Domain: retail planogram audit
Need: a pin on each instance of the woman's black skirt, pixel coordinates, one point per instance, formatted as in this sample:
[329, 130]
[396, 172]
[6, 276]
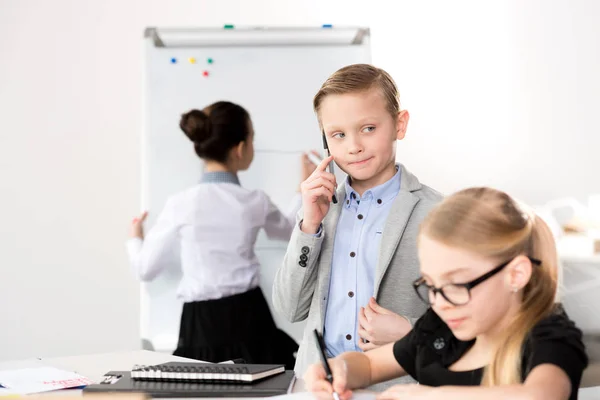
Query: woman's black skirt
[239, 326]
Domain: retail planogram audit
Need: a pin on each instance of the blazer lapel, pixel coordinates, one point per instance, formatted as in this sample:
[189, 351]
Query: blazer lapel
[396, 223]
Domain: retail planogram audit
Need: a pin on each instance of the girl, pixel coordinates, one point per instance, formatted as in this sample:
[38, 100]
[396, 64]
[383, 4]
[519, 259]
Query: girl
[210, 230]
[489, 273]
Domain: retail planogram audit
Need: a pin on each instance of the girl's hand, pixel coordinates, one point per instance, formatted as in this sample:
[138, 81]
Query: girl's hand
[315, 381]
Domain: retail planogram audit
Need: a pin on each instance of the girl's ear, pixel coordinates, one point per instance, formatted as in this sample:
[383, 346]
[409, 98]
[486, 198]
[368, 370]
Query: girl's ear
[519, 273]
[401, 124]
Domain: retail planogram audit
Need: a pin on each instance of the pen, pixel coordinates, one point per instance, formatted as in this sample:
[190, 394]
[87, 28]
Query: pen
[328, 374]
[331, 170]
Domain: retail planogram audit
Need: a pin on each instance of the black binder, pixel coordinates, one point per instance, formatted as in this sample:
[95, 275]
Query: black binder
[196, 384]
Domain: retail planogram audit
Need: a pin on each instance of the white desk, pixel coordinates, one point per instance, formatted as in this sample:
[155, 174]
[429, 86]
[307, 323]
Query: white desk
[94, 366]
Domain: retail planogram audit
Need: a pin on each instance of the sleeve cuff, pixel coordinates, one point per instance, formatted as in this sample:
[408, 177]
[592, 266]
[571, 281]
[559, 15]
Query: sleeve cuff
[134, 246]
[317, 235]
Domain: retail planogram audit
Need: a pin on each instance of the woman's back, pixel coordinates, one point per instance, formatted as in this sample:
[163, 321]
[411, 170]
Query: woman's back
[218, 224]
[209, 231]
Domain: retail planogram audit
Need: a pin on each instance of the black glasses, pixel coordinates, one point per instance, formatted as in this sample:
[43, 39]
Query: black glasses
[457, 294]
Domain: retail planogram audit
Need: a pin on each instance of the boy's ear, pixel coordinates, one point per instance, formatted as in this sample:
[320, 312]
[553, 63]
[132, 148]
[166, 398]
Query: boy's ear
[401, 124]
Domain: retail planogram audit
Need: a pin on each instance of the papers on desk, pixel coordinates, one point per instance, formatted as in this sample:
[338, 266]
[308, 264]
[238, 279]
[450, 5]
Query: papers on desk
[37, 380]
[7, 392]
[356, 395]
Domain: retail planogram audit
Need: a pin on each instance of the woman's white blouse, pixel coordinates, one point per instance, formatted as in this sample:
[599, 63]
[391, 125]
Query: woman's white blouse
[210, 231]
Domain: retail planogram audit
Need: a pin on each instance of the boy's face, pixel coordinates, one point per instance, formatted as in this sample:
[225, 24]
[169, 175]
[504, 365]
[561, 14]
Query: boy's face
[492, 302]
[361, 133]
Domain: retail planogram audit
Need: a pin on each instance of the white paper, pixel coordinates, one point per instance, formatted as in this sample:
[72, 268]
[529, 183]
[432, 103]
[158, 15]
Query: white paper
[41, 379]
[356, 395]
[7, 392]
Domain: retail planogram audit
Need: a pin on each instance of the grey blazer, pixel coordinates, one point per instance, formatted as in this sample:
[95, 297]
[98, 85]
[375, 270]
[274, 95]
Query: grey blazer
[301, 284]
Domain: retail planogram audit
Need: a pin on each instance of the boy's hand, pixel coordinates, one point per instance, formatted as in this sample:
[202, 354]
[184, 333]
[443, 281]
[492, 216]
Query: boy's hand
[379, 326]
[317, 192]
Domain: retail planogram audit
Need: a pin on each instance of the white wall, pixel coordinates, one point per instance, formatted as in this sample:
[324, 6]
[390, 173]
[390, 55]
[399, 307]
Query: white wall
[501, 93]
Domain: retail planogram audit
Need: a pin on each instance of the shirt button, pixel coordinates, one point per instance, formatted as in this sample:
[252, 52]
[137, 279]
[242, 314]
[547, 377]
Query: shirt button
[350, 294]
[352, 254]
[353, 195]
[360, 216]
[348, 337]
[347, 201]
[379, 201]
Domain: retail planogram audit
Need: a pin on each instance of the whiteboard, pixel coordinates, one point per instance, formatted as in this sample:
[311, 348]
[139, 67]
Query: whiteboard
[273, 73]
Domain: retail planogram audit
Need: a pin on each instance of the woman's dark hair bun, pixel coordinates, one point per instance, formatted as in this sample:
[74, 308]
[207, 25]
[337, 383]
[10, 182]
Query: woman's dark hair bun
[196, 126]
[216, 129]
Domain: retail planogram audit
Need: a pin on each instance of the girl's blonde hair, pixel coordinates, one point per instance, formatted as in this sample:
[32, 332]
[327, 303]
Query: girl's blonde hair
[357, 78]
[490, 223]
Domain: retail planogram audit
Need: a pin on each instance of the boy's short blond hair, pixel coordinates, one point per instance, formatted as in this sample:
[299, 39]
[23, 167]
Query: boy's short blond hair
[357, 78]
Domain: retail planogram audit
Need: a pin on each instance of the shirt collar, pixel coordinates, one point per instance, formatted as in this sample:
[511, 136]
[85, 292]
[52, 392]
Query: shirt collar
[381, 194]
[220, 177]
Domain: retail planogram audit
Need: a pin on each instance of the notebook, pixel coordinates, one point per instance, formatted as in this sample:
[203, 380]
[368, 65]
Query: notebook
[196, 372]
[122, 382]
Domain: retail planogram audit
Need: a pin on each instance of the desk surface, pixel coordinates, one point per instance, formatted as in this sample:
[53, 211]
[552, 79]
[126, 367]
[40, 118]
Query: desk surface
[94, 366]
